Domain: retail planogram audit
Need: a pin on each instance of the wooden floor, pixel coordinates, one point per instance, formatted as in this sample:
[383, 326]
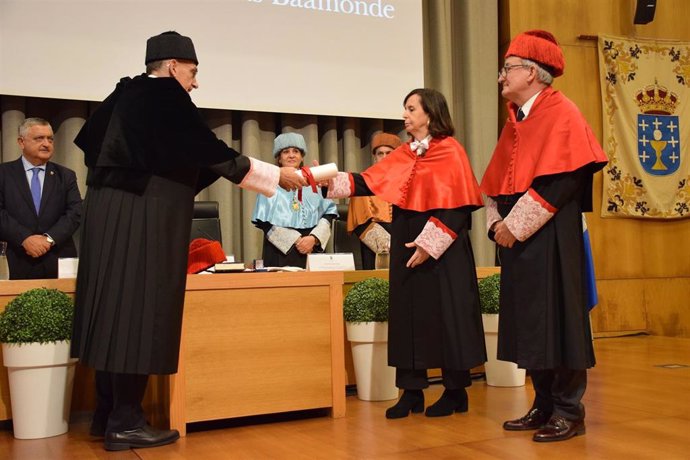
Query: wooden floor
[635, 410]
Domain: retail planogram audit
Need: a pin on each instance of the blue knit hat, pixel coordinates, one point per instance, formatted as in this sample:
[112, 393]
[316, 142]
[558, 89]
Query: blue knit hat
[286, 140]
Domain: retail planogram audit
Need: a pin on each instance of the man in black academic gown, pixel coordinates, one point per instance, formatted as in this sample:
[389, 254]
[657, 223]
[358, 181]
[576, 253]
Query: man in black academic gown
[148, 153]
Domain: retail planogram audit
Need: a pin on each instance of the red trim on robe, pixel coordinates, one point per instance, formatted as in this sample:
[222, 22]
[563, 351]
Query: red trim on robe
[539, 199]
[527, 217]
[443, 227]
[440, 179]
[434, 238]
[554, 138]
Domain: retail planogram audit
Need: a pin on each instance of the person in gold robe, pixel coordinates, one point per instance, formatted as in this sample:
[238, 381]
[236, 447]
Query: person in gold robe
[369, 217]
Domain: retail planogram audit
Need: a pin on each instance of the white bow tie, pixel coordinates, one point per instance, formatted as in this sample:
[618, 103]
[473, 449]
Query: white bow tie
[420, 146]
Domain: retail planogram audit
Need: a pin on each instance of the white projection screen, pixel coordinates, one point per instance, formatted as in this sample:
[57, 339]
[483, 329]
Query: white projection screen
[328, 57]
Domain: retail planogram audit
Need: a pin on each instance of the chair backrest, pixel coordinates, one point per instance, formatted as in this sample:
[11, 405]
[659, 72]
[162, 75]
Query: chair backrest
[206, 221]
[342, 241]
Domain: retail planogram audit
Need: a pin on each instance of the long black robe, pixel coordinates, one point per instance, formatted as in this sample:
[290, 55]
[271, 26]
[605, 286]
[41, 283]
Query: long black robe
[434, 316]
[148, 152]
[544, 321]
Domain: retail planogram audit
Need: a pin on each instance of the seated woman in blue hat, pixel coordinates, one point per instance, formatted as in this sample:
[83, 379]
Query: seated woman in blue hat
[294, 223]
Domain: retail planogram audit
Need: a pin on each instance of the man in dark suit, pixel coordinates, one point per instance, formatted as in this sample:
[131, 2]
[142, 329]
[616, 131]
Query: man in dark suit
[40, 205]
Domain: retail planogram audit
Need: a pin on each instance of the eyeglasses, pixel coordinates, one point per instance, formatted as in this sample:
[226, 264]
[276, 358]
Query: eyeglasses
[507, 68]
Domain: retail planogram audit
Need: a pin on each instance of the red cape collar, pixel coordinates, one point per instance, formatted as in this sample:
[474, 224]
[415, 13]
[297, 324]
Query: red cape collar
[440, 179]
[554, 138]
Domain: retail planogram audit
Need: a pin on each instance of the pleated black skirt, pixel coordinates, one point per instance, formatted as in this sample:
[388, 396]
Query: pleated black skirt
[131, 279]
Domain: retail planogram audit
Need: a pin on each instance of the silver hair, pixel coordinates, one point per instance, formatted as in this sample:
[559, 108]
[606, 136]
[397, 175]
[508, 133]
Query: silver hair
[543, 75]
[155, 65]
[29, 122]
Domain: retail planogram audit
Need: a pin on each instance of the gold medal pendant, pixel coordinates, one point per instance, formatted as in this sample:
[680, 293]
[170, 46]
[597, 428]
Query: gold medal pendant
[295, 203]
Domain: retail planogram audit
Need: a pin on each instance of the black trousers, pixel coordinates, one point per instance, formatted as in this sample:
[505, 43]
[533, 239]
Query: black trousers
[119, 401]
[559, 391]
[416, 379]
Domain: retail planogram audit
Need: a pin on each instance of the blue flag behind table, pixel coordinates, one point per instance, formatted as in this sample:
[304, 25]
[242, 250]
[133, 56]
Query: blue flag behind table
[590, 279]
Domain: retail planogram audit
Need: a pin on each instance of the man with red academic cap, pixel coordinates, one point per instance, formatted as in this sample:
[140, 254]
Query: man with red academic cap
[537, 184]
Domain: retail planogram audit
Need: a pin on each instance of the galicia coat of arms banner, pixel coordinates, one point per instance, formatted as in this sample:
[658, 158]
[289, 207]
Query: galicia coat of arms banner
[645, 89]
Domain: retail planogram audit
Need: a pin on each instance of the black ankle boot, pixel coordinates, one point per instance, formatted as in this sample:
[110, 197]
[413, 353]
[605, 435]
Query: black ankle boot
[449, 402]
[411, 400]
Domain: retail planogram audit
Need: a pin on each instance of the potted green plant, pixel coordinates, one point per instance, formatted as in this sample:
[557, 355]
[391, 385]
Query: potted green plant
[35, 331]
[498, 373]
[365, 310]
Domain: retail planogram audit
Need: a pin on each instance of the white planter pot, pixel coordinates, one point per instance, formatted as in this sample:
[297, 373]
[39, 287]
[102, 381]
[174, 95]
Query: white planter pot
[375, 378]
[41, 378]
[498, 373]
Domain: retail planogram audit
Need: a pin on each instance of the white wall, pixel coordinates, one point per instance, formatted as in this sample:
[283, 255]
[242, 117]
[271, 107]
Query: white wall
[290, 56]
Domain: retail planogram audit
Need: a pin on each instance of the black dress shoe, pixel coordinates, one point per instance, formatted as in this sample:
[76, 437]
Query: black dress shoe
[146, 436]
[410, 401]
[535, 419]
[449, 402]
[559, 429]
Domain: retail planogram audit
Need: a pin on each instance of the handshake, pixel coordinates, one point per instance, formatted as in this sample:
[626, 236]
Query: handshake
[293, 179]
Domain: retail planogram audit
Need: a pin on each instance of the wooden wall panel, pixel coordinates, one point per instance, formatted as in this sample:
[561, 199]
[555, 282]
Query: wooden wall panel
[569, 18]
[667, 306]
[642, 266]
[621, 307]
[659, 306]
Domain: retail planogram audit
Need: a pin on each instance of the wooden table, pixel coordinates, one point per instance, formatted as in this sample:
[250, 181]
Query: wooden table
[252, 343]
[259, 343]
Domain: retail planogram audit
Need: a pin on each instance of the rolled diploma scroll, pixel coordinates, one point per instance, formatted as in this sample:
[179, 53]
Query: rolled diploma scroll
[322, 173]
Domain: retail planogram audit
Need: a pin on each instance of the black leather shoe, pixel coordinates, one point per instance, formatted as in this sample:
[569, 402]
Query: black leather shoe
[146, 436]
[410, 401]
[535, 419]
[449, 402]
[559, 429]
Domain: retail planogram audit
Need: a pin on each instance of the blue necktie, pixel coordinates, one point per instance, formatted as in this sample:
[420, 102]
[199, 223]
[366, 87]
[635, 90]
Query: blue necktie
[36, 189]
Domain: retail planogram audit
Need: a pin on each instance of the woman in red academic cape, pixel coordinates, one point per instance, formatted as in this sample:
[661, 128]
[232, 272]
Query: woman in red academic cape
[434, 319]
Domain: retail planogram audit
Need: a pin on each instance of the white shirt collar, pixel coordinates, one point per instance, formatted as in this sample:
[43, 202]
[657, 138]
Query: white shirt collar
[28, 166]
[527, 106]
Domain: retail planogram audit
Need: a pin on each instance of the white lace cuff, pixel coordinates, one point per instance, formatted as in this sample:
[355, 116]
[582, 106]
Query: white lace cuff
[492, 215]
[529, 214]
[341, 186]
[322, 231]
[262, 177]
[435, 238]
[376, 238]
[283, 238]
